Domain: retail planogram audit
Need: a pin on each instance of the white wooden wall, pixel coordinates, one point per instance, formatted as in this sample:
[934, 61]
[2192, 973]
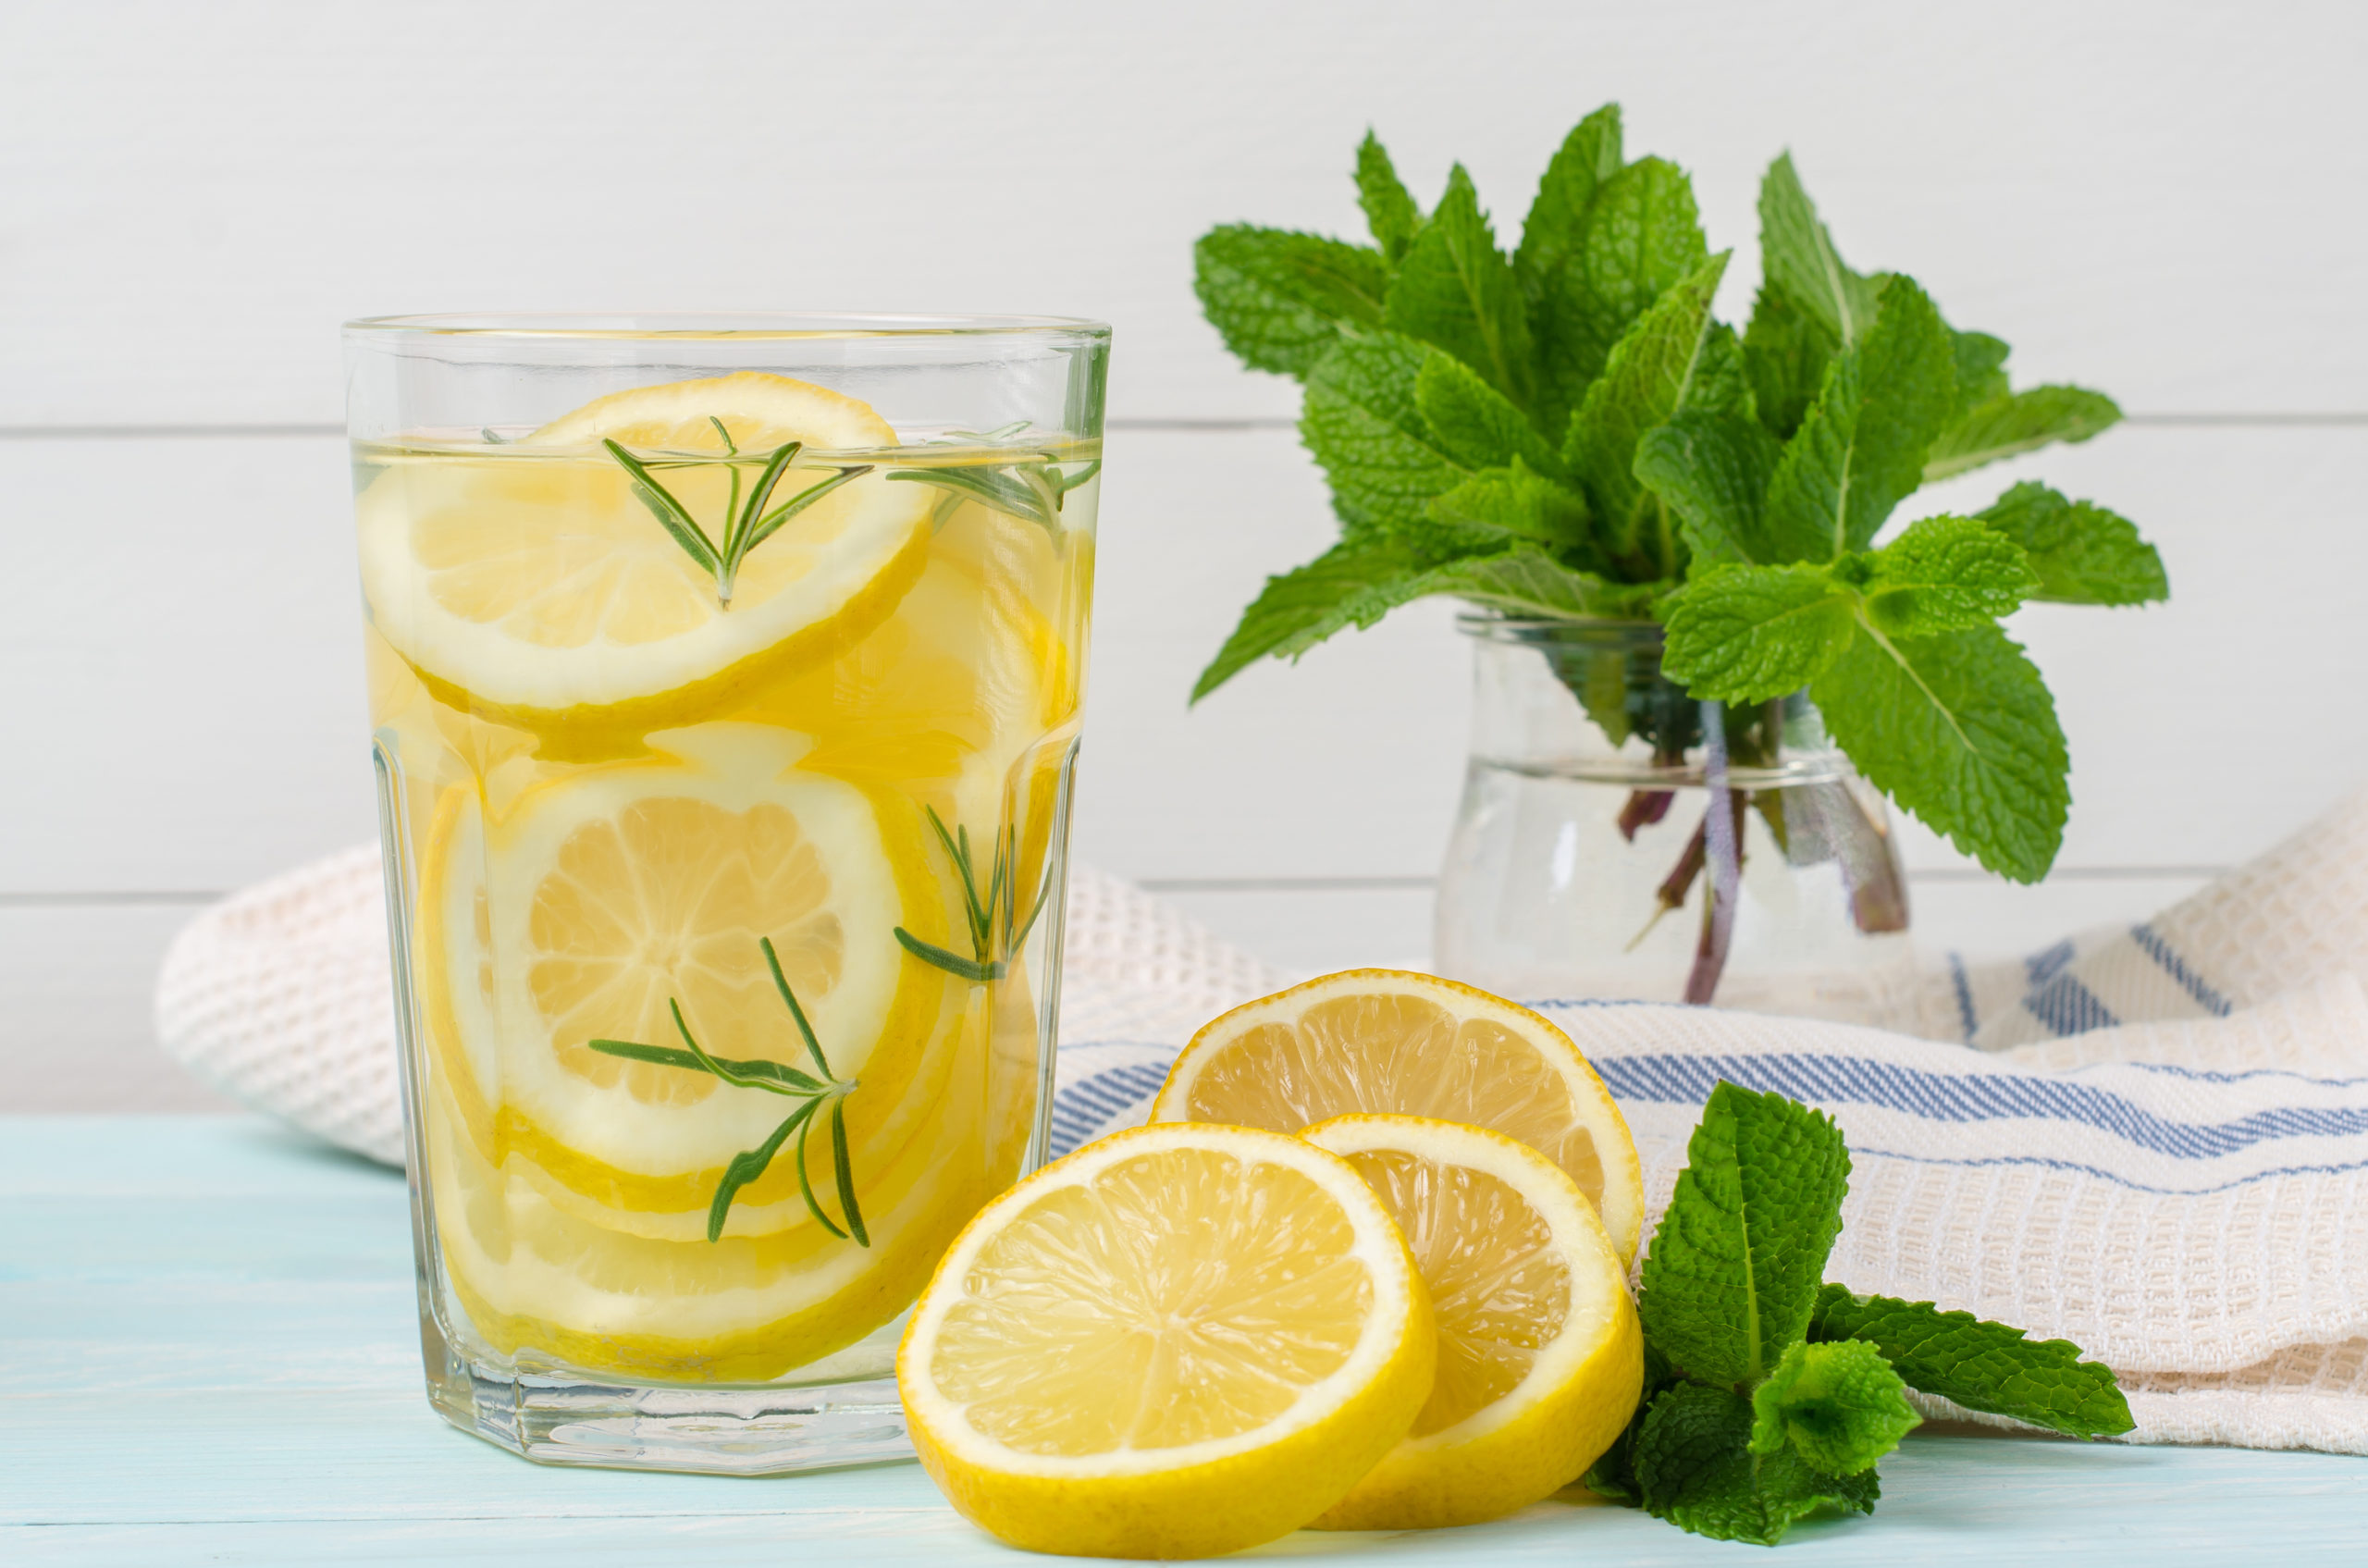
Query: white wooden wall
[2164, 201]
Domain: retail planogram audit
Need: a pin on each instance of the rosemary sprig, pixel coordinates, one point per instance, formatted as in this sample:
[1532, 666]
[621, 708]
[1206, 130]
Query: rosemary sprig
[1033, 490]
[775, 1077]
[995, 929]
[746, 522]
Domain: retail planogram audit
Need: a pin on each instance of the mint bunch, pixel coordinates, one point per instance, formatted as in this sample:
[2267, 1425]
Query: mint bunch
[1768, 1395]
[1565, 430]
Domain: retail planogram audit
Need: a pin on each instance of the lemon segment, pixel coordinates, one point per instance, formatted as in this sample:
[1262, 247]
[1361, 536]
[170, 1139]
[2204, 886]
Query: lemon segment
[1176, 1343]
[529, 584]
[603, 897]
[1541, 1355]
[1390, 1041]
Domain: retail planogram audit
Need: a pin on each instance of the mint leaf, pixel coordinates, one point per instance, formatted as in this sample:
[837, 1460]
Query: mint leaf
[1734, 1267]
[1349, 585]
[1643, 238]
[1747, 634]
[1981, 368]
[1558, 215]
[1785, 353]
[1720, 385]
[2009, 423]
[1472, 422]
[1960, 730]
[1861, 451]
[1281, 299]
[1840, 1406]
[1797, 258]
[1525, 583]
[1643, 384]
[1456, 290]
[2082, 553]
[1694, 1466]
[1712, 471]
[1390, 212]
[1518, 502]
[1943, 575]
[1981, 1365]
[1363, 422]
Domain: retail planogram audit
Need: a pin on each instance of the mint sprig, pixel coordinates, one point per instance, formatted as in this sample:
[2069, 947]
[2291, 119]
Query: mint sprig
[1769, 1397]
[1565, 430]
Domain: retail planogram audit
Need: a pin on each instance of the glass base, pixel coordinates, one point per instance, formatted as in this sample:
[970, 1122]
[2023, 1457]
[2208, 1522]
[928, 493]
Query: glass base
[555, 1418]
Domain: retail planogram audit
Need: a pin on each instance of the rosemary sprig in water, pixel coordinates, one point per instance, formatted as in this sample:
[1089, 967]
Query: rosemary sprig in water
[996, 930]
[774, 1078]
[747, 524]
[1035, 491]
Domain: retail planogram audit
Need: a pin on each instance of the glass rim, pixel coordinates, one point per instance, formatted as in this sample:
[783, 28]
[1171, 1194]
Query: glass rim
[716, 325]
[1489, 626]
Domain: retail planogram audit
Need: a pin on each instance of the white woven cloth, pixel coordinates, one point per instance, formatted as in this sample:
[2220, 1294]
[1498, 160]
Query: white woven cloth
[2169, 1167]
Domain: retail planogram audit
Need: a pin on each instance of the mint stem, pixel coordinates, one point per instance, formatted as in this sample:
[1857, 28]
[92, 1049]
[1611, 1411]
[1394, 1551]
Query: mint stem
[1722, 824]
[1877, 897]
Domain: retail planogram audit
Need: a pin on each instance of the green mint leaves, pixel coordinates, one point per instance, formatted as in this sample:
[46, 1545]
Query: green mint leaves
[1735, 1269]
[1769, 1397]
[1563, 428]
[1281, 298]
[1840, 1406]
[1984, 1367]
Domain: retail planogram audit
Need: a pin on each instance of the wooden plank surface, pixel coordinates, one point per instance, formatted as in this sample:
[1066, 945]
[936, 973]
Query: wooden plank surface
[198, 194]
[226, 1313]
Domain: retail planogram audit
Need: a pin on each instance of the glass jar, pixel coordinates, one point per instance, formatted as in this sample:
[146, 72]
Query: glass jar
[1618, 839]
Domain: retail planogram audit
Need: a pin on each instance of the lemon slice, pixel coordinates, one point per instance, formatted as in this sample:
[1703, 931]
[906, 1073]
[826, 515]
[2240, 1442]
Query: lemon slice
[535, 1278]
[1541, 1356]
[1176, 1343]
[1390, 1041]
[607, 894]
[530, 584]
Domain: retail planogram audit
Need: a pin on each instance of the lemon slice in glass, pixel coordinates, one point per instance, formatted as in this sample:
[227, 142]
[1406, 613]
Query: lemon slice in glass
[1541, 1356]
[530, 582]
[1176, 1343]
[1392, 1041]
[604, 896]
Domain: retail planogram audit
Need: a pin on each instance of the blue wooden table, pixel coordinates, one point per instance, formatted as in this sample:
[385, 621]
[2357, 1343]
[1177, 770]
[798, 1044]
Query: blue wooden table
[207, 1354]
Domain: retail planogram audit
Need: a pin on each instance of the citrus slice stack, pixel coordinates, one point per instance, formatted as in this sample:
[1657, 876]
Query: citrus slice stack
[1393, 1041]
[530, 583]
[1541, 1356]
[1176, 1343]
[578, 1182]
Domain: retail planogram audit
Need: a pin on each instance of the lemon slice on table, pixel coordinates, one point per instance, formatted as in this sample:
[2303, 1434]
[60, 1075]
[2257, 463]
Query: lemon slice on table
[1392, 1041]
[604, 896]
[531, 584]
[1541, 1356]
[1176, 1343]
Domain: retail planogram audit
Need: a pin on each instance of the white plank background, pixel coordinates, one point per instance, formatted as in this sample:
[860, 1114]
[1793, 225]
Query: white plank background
[2166, 206]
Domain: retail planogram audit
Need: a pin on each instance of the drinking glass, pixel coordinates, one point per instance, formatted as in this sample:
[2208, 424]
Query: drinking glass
[725, 677]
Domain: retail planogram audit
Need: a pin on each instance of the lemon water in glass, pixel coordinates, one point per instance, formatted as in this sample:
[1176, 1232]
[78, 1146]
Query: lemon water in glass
[725, 680]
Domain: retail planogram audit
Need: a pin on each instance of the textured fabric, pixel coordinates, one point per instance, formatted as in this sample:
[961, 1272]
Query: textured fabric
[2287, 919]
[2169, 1167]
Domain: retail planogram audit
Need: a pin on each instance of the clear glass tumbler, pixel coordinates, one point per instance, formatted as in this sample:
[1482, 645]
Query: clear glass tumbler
[725, 677]
[1618, 839]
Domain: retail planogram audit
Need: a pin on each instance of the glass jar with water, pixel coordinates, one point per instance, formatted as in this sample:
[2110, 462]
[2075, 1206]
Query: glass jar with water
[1618, 839]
